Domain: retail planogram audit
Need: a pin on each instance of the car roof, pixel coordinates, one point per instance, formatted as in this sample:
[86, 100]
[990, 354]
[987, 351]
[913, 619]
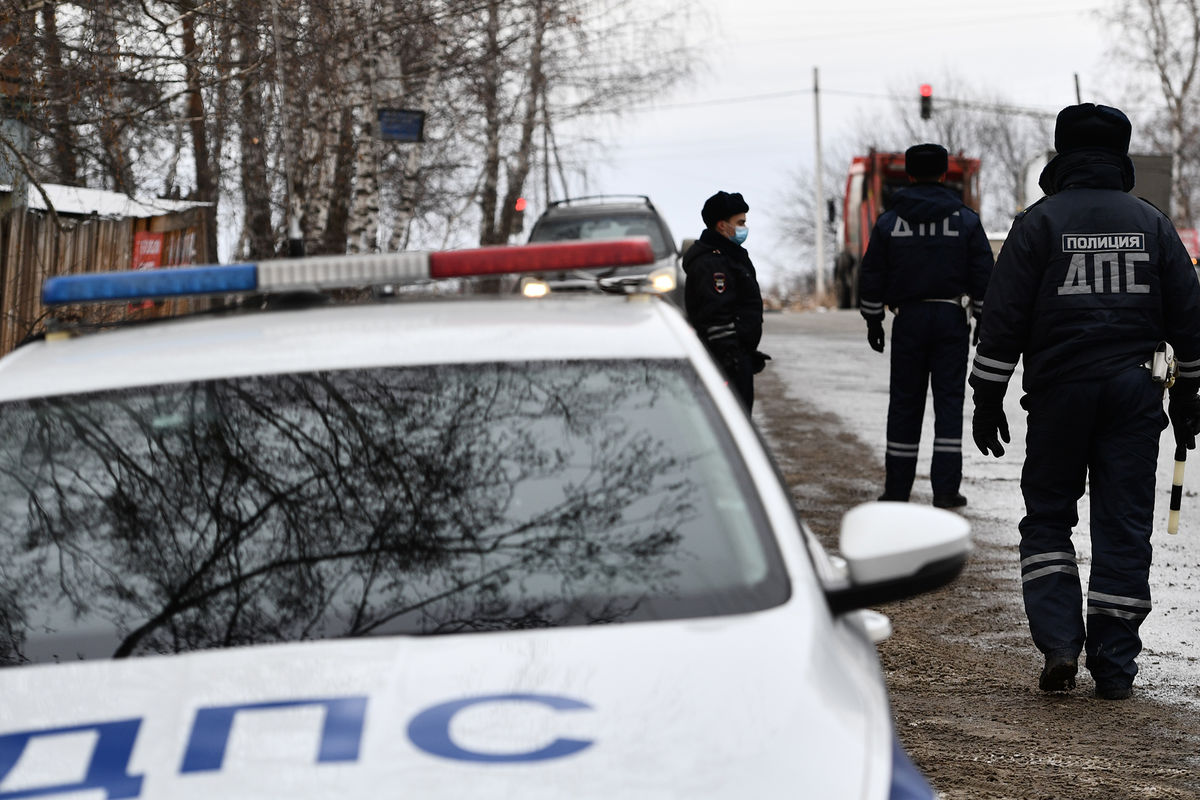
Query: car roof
[590, 206]
[341, 337]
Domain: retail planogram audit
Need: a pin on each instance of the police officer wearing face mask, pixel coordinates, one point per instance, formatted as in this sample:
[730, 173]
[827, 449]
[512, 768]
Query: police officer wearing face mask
[928, 260]
[1090, 281]
[721, 295]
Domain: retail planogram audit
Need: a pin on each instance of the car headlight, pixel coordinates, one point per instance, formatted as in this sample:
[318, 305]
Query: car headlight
[534, 287]
[662, 280]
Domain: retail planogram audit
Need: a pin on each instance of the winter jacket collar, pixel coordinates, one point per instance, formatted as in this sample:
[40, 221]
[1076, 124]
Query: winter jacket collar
[1091, 168]
[925, 202]
[726, 246]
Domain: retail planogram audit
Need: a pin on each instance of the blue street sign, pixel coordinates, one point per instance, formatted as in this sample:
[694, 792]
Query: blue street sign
[401, 125]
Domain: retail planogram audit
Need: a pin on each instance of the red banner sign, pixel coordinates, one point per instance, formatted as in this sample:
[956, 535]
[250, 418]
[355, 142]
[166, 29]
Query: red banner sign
[147, 250]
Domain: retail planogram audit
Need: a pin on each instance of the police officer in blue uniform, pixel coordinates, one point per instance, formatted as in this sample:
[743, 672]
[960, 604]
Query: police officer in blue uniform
[928, 260]
[1090, 281]
[721, 294]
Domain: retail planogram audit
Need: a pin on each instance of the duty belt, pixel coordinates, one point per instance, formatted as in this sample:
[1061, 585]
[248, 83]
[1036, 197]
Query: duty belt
[962, 301]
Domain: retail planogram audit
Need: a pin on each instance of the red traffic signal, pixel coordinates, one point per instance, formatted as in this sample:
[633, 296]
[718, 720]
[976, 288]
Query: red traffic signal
[926, 101]
[518, 219]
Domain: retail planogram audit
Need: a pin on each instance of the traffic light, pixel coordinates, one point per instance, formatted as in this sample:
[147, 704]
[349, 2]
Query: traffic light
[926, 101]
[518, 223]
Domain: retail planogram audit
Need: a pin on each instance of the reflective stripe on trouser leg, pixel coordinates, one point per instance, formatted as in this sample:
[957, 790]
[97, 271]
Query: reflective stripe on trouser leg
[1122, 477]
[949, 344]
[907, 387]
[1052, 481]
[900, 461]
[1050, 586]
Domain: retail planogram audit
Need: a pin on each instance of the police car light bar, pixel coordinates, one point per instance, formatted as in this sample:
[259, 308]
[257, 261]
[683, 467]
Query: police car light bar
[333, 272]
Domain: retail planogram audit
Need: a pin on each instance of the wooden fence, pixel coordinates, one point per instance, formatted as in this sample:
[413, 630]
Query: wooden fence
[33, 247]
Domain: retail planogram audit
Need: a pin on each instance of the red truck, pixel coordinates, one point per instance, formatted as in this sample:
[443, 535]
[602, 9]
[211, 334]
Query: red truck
[872, 181]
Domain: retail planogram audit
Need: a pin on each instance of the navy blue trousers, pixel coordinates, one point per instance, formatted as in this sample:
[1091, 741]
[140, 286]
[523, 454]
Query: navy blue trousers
[929, 347]
[1105, 432]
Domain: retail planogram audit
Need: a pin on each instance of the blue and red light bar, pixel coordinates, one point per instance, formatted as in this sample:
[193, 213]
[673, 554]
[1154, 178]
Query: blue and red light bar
[333, 272]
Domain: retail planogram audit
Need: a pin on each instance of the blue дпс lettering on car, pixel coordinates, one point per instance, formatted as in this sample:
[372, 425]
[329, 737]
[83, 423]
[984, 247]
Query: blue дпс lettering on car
[341, 736]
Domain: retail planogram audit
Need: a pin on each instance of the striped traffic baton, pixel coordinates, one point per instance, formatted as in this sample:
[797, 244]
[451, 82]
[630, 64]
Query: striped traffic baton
[1176, 490]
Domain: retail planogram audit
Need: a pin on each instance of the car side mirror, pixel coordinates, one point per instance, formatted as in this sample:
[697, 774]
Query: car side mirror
[897, 550]
[686, 245]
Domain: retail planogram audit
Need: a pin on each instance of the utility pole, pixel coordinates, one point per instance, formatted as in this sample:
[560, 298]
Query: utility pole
[1078, 97]
[818, 190]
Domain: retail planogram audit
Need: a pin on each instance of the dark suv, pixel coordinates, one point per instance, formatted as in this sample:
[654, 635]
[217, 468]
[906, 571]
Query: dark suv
[607, 217]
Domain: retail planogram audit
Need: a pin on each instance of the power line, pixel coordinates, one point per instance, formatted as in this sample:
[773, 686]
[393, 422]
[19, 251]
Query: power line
[971, 105]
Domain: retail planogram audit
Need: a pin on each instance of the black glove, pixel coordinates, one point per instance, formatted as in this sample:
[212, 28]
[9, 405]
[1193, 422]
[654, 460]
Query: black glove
[760, 360]
[989, 425]
[1184, 410]
[875, 334]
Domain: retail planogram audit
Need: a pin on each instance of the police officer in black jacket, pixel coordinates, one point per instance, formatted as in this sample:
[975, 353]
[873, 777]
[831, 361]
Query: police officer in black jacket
[721, 295]
[1090, 281]
[929, 260]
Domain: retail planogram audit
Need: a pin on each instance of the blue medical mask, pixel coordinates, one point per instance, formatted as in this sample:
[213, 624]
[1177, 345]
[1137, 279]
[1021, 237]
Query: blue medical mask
[740, 233]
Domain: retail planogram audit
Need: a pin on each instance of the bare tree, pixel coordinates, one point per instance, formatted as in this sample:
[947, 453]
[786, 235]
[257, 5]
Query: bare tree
[1163, 38]
[271, 105]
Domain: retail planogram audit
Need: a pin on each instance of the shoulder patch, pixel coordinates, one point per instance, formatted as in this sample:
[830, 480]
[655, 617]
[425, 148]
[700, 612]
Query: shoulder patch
[719, 282]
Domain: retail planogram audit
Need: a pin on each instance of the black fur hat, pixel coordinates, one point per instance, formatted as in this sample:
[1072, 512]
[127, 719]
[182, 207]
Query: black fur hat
[1090, 125]
[926, 161]
[722, 205]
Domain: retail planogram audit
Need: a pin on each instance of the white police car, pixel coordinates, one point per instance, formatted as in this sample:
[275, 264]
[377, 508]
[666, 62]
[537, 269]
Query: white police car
[481, 548]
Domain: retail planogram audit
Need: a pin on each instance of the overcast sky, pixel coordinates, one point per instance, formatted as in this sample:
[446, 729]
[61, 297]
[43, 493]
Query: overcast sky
[745, 123]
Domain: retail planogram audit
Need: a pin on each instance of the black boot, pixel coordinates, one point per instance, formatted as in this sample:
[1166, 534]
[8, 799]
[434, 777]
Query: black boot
[1113, 691]
[952, 500]
[1059, 673]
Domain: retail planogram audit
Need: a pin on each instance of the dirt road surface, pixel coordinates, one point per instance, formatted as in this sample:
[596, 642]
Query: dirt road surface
[960, 666]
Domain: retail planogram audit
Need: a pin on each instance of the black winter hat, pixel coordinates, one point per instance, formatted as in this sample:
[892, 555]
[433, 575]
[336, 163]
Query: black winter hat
[1090, 125]
[722, 205]
[926, 161]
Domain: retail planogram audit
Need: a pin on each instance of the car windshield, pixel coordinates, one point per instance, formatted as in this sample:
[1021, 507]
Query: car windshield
[603, 225]
[426, 500]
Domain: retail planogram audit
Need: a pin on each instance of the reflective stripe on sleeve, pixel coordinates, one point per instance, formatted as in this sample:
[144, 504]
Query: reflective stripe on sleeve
[720, 332]
[989, 369]
[988, 376]
[999, 366]
[1188, 369]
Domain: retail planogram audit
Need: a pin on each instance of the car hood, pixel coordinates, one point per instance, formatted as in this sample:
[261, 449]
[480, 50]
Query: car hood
[747, 706]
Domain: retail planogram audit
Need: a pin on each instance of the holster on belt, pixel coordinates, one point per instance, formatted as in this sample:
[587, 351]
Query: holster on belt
[1163, 369]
